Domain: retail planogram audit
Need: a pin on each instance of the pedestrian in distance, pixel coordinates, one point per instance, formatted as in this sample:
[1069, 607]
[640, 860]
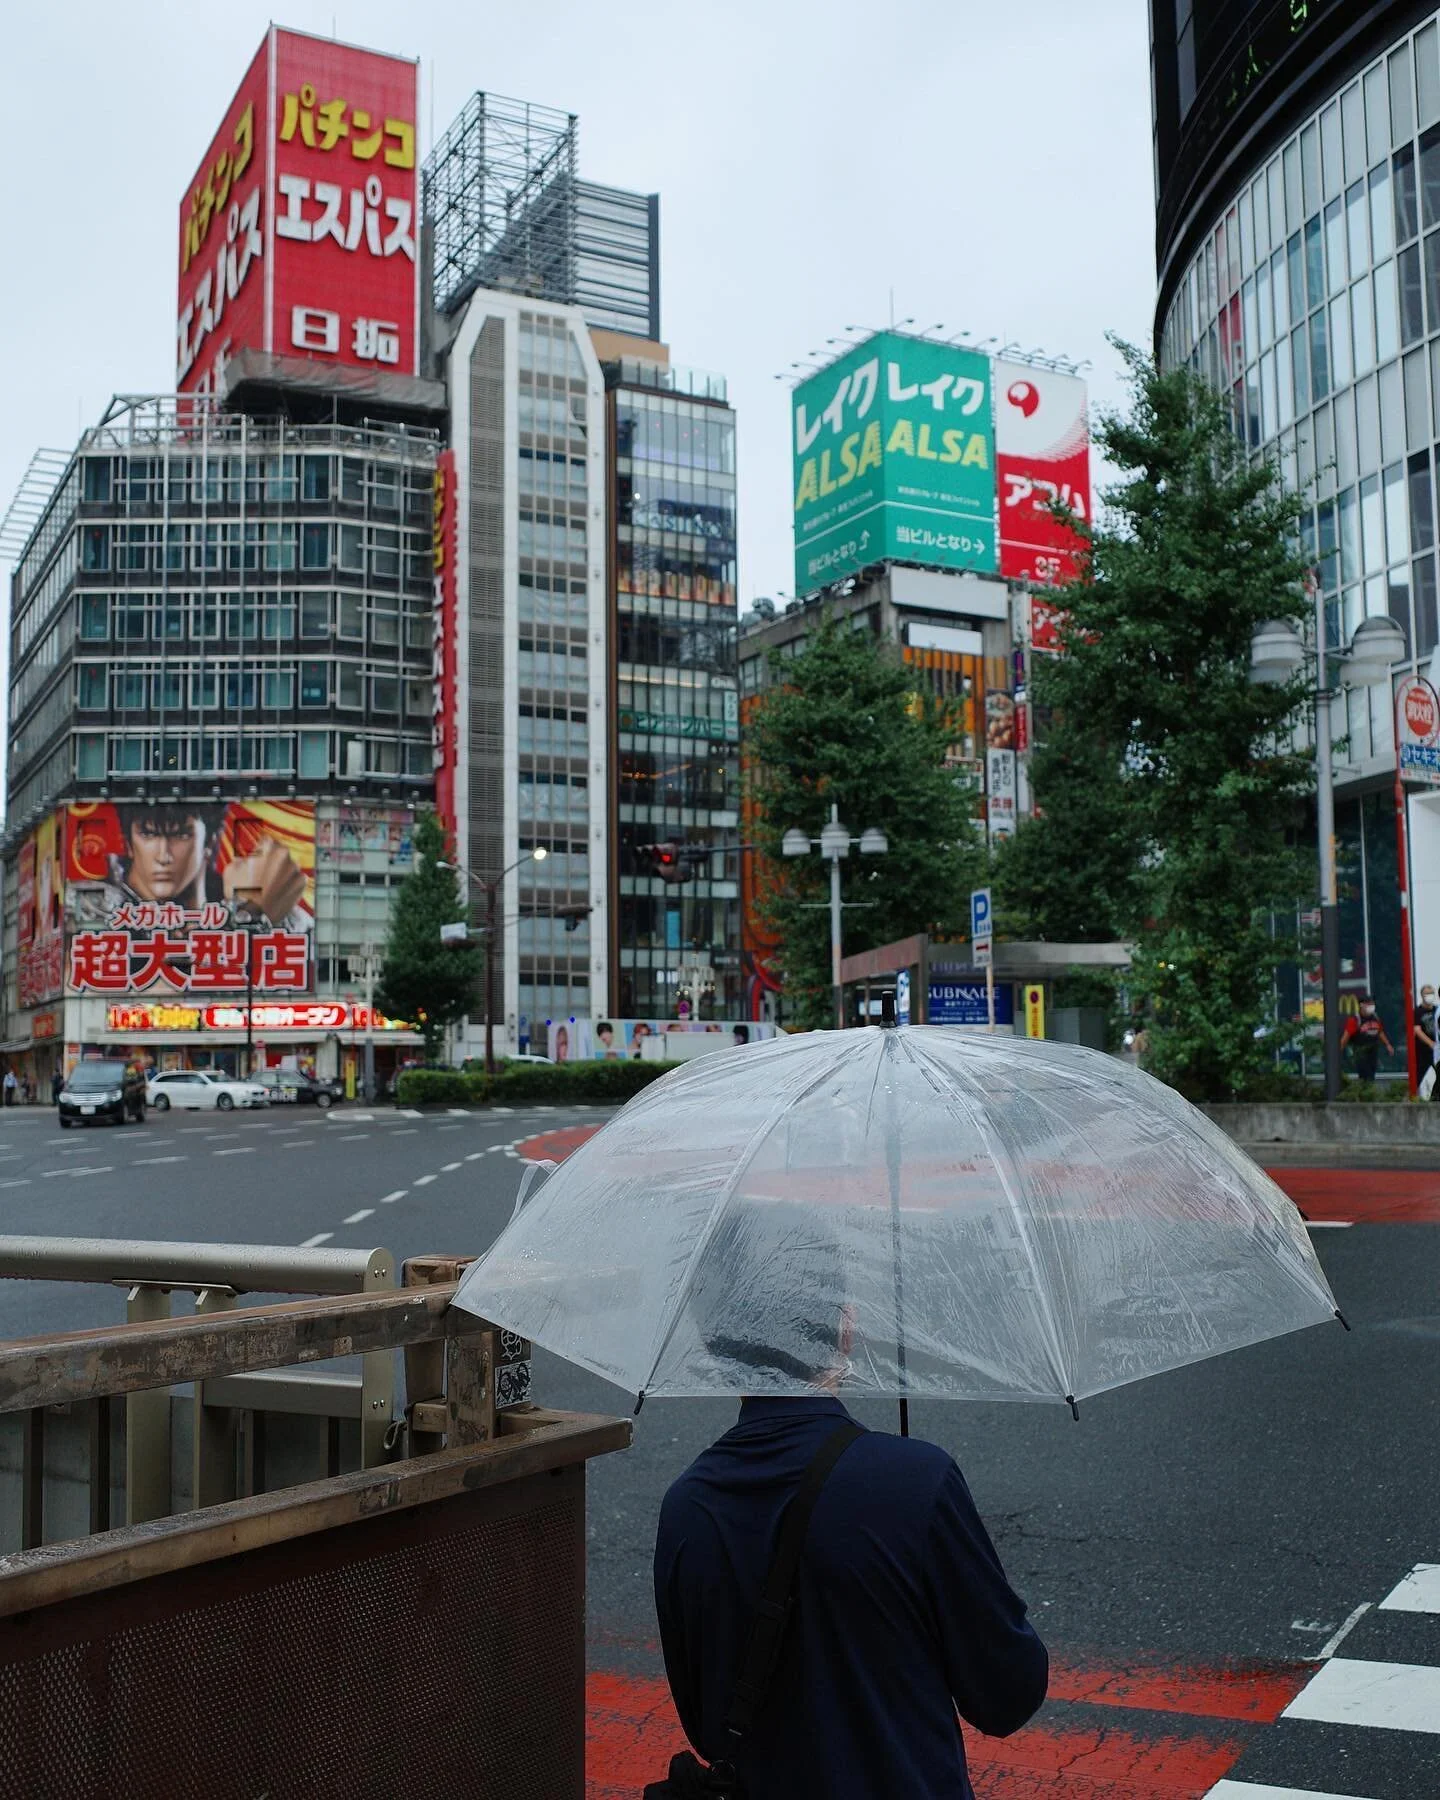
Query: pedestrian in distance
[11, 1084]
[1364, 1034]
[896, 1616]
[1425, 1040]
[57, 1082]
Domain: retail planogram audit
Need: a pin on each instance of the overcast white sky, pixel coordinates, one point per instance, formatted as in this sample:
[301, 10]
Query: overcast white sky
[987, 164]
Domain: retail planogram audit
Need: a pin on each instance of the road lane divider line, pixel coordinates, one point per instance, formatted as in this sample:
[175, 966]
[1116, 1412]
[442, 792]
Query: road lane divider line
[423, 1180]
[242, 1150]
[352, 1137]
[390, 1199]
[450, 1168]
[1331, 1645]
[141, 1161]
[359, 1218]
[304, 1144]
[314, 1243]
[23, 1181]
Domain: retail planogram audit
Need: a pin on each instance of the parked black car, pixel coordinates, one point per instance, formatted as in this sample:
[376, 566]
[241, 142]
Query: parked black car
[103, 1090]
[288, 1087]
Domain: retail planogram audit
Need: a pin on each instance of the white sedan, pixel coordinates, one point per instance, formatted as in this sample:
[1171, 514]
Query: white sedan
[197, 1090]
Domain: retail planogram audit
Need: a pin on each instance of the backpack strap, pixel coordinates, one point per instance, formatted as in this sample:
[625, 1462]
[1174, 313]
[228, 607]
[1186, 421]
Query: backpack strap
[767, 1633]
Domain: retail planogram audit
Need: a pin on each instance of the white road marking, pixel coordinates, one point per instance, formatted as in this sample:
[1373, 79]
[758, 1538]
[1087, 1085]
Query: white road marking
[24, 1181]
[423, 1180]
[450, 1168]
[356, 1218]
[447, 1128]
[1249, 1790]
[411, 1112]
[210, 1136]
[242, 1150]
[399, 1194]
[302, 1145]
[405, 1131]
[1333, 1644]
[510, 1150]
[474, 1156]
[464, 1111]
[502, 1109]
[492, 1148]
[64, 1140]
[361, 1118]
[314, 1243]
[141, 1161]
[1390, 1696]
[1418, 1592]
[350, 1137]
[544, 1109]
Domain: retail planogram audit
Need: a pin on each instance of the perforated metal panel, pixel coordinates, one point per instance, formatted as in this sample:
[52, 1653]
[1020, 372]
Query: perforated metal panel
[437, 1652]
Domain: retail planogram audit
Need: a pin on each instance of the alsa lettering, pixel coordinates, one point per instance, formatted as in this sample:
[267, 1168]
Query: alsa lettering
[862, 451]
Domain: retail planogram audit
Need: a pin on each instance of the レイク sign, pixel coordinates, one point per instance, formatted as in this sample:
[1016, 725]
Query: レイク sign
[894, 456]
[298, 235]
[1417, 730]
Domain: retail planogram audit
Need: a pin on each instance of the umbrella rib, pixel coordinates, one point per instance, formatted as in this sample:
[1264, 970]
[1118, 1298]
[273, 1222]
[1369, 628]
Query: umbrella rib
[1005, 1171]
[726, 1195]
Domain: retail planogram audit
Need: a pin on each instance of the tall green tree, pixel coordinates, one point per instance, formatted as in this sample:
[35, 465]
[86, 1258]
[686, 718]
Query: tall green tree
[432, 984]
[1170, 786]
[844, 724]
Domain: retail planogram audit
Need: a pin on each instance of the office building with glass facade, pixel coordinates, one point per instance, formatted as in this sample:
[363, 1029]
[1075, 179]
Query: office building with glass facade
[220, 628]
[527, 419]
[676, 742]
[1299, 250]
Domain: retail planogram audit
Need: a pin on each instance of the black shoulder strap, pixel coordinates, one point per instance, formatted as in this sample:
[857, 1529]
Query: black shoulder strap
[762, 1652]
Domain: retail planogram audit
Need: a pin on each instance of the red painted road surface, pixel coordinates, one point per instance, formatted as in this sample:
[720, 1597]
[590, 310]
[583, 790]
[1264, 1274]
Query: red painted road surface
[1328, 1196]
[1146, 1732]
[1182, 1729]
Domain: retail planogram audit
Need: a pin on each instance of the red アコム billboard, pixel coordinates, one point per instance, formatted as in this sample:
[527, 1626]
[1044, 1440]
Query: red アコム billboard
[299, 233]
[1042, 457]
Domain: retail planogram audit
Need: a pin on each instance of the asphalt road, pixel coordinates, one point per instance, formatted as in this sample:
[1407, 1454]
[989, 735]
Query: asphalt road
[1188, 1548]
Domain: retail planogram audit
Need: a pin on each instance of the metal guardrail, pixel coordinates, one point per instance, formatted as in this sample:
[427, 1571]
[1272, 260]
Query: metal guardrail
[229, 1412]
[441, 1587]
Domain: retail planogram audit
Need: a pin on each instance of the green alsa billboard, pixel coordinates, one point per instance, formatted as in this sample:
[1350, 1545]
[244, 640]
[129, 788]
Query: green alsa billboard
[894, 449]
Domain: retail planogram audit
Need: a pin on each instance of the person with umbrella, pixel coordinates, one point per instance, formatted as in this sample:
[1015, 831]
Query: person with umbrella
[901, 1612]
[914, 1214]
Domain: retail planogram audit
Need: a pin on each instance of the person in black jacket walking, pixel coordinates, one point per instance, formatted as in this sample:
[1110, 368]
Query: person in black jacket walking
[902, 1618]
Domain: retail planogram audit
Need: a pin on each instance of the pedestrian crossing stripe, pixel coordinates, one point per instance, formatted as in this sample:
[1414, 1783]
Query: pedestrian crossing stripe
[1380, 1704]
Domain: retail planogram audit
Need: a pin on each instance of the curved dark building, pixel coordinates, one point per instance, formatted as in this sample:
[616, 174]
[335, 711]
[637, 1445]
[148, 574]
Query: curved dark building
[1297, 179]
[1231, 78]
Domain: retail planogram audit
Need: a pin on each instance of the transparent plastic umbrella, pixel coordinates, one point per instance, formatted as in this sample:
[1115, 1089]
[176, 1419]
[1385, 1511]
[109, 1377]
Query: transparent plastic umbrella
[913, 1212]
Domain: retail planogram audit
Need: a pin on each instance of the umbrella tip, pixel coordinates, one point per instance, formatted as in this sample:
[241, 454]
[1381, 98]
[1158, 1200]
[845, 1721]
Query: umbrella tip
[1341, 1317]
[1074, 1408]
[887, 1012]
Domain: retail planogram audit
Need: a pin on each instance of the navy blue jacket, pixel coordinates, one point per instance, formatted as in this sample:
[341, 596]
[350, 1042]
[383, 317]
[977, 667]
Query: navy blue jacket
[903, 1613]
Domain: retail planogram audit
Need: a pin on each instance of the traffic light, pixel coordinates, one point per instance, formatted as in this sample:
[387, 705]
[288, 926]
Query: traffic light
[669, 861]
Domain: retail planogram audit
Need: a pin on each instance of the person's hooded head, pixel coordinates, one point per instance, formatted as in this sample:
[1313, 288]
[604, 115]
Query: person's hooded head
[770, 1297]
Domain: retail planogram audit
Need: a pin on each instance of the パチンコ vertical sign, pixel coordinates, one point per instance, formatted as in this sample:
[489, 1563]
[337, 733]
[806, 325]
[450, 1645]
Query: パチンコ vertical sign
[299, 233]
[443, 638]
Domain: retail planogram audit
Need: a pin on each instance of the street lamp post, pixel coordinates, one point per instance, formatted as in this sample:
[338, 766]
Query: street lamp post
[248, 916]
[833, 843]
[491, 891]
[1277, 654]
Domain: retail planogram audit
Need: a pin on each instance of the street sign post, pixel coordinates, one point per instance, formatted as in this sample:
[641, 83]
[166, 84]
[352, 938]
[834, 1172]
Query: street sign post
[980, 947]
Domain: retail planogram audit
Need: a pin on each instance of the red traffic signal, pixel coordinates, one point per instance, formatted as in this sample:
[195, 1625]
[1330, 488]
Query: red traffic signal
[668, 861]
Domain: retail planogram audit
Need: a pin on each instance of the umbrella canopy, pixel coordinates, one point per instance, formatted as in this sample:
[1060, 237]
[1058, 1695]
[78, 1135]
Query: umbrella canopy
[912, 1212]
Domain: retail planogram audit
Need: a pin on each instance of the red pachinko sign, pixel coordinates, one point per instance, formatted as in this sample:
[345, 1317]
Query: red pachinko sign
[1042, 457]
[299, 233]
[443, 638]
[148, 946]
